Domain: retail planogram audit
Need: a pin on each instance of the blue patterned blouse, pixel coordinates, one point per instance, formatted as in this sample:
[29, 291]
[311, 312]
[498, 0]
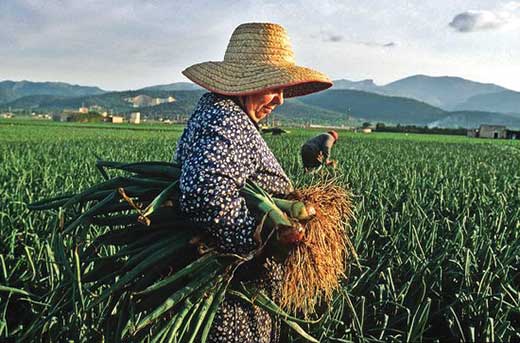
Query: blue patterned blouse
[219, 150]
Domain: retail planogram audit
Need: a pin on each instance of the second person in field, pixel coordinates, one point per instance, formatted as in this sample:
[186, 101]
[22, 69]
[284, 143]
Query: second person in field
[316, 151]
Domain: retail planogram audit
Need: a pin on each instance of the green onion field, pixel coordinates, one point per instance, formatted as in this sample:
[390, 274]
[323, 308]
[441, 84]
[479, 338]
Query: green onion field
[437, 226]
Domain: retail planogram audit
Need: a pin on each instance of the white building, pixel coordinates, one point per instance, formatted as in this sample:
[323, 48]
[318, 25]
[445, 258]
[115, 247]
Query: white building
[135, 117]
[117, 119]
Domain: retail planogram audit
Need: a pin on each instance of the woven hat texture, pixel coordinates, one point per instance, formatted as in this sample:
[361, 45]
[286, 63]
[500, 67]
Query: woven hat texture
[258, 57]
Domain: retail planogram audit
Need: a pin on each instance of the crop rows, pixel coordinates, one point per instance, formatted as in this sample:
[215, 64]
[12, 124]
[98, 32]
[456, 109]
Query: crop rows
[437, 226]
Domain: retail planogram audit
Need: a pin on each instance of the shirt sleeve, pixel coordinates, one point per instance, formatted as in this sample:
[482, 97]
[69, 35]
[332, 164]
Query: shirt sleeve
[212, 175]
[326, 152]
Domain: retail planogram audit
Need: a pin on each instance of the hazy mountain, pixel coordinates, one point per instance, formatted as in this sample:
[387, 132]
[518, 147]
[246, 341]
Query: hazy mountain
[445, 92]
[334, 106]
[117, 102]
[176, 86]
[473, 119]
[34, 101]
[12, 90]
[296, 111]
[293, 110]
[505, 102]
[375, 107]
[363, 85]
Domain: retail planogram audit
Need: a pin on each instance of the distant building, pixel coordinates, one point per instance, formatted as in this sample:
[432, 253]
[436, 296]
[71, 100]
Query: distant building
[513, 134]
[472, 133]
[333, 127]
[83, 110]
[143, 100]
[61, 117]
[117, 119]
[135, 117]
[366, 130]
[96, 108]
[494, 132]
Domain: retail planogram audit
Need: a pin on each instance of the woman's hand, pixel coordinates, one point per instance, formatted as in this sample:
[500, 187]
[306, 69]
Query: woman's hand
[292, 235]
[331, 163]
[280, 239]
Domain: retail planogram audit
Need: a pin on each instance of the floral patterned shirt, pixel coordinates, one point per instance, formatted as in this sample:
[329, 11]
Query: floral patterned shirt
[219, 150]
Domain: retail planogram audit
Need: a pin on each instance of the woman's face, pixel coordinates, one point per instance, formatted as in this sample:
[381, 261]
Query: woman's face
[259, 105]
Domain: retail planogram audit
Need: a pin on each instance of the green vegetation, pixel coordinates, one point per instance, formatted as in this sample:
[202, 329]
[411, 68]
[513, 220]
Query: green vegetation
[295, 111]
[375, 107]
[437, 225]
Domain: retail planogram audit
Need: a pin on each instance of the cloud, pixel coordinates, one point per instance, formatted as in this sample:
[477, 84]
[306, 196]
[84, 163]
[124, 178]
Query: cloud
[391, 44]
[336, 38]
[379, 45]
[331, 37]
[470, 21]
[479, 20]
[132, 38]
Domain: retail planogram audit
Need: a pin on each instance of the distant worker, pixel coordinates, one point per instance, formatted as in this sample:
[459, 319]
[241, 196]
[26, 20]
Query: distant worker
[316, 151]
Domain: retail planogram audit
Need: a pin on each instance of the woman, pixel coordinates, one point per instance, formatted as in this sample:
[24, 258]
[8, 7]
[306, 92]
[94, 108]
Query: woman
[221, 148]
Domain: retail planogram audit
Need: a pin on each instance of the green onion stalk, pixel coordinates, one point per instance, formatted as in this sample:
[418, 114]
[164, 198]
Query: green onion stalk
[133, 267]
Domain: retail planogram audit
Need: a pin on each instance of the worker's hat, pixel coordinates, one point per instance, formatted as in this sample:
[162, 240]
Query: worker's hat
[334, 134]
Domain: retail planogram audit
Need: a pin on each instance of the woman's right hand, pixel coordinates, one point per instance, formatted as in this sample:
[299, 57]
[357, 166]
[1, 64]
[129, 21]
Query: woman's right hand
[282, 240]
[290, 235]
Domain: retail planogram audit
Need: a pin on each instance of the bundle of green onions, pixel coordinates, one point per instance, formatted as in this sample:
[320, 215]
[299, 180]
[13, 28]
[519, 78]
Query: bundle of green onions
[132, 266]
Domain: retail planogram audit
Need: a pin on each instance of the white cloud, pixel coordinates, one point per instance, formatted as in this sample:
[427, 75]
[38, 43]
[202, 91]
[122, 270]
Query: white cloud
[327, 36]
[331, 37]
[508, 15]
[476, 21]
[379, 45]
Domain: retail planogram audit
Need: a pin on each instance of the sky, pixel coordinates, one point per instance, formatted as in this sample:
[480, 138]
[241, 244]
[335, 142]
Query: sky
[129, 44]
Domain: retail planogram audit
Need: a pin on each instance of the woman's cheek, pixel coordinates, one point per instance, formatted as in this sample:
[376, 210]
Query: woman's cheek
[265, 114]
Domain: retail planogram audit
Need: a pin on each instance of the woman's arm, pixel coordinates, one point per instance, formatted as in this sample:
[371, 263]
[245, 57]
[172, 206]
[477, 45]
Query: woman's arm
[212, 175]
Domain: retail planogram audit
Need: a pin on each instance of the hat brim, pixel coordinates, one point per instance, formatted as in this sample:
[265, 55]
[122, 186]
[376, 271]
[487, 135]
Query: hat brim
[237, 79]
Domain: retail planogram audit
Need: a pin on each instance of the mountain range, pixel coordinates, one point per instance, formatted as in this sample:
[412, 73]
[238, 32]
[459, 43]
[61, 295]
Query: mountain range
[416, 100]
[447, 92]
[12, 90]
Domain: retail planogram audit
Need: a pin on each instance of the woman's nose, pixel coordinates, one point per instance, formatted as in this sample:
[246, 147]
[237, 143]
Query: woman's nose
[279, 97]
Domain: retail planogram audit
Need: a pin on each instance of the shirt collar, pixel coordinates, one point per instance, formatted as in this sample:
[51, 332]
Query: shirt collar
[237, 107]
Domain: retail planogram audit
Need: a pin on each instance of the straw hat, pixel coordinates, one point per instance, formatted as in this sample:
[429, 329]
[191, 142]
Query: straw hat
[258, 57]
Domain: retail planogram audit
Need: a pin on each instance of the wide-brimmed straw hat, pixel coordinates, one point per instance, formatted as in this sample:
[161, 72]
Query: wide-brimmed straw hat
[258, 57]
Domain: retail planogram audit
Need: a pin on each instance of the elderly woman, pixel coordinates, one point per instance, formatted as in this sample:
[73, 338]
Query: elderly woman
[221, 148]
